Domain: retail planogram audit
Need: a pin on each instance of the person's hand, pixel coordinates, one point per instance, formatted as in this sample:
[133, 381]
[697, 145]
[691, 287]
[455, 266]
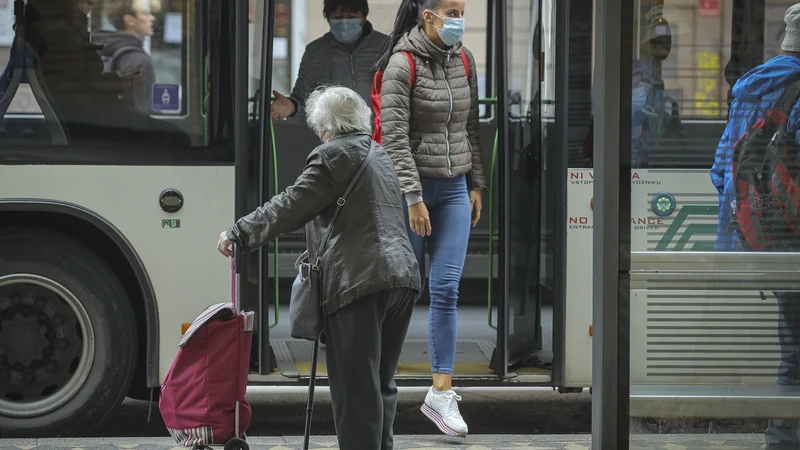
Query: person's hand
[475, 205]
[282, 107]
[419, 219]
[224, 244]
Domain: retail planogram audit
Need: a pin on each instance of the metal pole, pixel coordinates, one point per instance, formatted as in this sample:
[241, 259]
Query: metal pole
[612, 204]
[557, 161]
[504, 175]
[241, 147]
[265, 150]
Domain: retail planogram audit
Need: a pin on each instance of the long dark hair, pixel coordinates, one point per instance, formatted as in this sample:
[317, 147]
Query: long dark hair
[409, 15]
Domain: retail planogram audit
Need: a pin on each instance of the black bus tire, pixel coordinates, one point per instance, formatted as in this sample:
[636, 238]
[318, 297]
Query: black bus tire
[60, 258]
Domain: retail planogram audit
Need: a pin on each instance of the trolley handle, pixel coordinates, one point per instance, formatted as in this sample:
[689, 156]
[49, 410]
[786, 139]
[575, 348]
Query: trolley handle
[235, 279]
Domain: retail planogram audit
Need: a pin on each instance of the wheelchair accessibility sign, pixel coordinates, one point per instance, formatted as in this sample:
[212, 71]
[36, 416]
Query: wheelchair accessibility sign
[166, 98]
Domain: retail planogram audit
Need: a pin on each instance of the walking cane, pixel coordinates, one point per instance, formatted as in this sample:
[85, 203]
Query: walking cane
[311, 385]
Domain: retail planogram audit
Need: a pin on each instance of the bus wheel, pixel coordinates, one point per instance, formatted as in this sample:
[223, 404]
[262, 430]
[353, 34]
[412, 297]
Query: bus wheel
[67, 336]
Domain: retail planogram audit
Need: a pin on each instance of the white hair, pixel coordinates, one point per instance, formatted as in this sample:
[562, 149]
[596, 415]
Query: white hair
[335, 110]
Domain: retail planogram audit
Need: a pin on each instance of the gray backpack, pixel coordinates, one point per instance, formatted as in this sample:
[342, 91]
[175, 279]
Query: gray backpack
[109, 62]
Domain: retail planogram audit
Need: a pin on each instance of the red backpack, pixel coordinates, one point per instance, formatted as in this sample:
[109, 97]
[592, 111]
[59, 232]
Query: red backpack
[376, 91]
[766, 177]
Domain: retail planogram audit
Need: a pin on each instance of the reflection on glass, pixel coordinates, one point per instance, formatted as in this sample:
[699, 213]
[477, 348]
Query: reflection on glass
[713, 325]
[112, 71]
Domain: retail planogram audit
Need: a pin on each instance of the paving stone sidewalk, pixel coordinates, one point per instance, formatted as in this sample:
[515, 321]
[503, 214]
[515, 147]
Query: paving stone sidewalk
[432, 442]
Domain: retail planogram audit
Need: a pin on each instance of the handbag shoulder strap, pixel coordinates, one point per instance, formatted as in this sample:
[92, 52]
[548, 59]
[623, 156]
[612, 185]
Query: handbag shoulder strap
[343, 199]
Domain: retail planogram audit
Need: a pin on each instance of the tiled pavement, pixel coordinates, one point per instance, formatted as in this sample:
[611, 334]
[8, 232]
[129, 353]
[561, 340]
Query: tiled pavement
[433, 442]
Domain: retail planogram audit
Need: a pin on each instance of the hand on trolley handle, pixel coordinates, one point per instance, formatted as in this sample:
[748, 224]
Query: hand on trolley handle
[224, 245]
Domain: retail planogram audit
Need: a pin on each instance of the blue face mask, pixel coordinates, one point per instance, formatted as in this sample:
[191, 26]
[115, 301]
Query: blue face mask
[639, 96]
[346, 30]
[452, 31]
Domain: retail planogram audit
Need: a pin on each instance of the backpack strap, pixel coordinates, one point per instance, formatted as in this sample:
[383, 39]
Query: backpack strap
[119, 52]
[465, 60]
[786, 102]
[412, 68]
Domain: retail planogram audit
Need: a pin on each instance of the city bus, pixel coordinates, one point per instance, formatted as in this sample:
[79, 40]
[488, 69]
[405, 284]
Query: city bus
[109, 215]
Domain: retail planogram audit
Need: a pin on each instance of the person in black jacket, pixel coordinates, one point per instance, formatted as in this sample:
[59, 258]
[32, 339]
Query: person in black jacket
[343, 56]
[370, 274]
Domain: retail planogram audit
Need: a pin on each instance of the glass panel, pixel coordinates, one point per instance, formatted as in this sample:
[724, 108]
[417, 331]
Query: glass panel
[307, 56]
[529, 349]
[713, 321]
[121, 72]
[305, 32]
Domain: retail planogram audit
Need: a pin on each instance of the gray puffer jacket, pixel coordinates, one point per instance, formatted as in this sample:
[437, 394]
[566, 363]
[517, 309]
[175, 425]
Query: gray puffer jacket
[326, 61]
[369, 249]
[432, 128]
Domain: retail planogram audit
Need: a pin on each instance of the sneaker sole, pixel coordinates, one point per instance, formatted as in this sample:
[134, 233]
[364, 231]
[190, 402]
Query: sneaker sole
[437, 419]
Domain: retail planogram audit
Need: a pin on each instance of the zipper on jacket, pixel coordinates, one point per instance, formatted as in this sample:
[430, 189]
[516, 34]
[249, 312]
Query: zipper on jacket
[447, 124]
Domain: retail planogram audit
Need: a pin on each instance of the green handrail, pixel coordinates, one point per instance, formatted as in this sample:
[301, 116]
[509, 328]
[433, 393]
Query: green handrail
[275, 256]
[492, 237]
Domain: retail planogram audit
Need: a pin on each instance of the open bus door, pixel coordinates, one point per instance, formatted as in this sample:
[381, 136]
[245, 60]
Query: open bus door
[258, 56]
[517, 180]
[253, 60]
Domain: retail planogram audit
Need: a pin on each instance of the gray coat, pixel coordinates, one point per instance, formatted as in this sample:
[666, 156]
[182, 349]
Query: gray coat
[369, 249]
[432, 128]
[326, 61]
[125, 55]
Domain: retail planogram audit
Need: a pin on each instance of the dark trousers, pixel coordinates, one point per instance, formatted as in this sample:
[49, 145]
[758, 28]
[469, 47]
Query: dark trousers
[784, 434]
[364, 341]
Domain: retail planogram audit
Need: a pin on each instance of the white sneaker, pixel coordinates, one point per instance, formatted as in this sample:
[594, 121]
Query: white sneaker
[442, 409]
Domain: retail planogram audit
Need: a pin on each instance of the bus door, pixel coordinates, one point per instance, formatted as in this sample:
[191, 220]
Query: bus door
[258, 175]
[522, 349]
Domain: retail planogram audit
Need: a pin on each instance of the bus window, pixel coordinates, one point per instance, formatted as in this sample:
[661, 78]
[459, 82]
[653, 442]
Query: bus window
[299, 24]
[121, 74]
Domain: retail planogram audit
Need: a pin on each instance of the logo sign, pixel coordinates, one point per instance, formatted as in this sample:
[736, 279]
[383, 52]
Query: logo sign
[166, 98]
[663, 204]
[170, 223]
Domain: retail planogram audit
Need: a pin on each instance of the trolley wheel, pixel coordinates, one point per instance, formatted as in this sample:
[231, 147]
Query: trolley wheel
[236, 444]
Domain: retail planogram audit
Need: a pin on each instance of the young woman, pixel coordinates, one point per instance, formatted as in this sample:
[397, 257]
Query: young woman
[430, 130]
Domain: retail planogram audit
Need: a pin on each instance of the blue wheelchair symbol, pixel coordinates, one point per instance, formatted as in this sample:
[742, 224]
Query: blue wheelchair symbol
[166, 97]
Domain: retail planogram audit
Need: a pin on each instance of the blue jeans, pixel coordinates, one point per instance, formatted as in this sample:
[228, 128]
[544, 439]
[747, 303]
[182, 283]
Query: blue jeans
[447, 201]
[784, 434]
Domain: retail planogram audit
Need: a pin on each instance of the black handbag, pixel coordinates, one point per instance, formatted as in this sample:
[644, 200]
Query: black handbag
[305, 305]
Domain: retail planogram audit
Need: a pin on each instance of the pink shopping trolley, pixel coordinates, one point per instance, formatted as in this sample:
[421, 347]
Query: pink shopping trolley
[202, 400]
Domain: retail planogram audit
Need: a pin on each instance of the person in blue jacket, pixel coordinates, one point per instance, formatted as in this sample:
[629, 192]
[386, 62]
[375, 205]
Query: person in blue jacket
[753, 95]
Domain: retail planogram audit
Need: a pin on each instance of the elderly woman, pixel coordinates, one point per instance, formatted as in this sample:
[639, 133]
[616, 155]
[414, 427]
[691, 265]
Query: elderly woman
[370, 272]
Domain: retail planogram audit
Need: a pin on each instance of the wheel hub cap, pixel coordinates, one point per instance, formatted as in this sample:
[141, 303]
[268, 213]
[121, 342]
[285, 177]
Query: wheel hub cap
[46, 345]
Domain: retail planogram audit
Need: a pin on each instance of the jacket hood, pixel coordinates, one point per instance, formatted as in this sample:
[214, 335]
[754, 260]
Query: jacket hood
[112, 41]
[773, 75]
[417, 43]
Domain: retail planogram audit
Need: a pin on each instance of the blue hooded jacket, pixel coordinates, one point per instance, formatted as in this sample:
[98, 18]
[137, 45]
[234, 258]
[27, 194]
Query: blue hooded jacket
[753, 95]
